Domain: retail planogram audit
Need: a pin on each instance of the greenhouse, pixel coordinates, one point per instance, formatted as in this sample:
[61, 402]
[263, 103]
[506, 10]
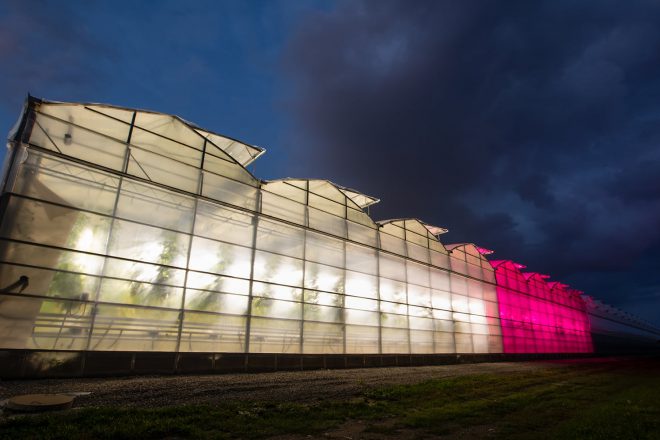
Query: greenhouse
[129, 231]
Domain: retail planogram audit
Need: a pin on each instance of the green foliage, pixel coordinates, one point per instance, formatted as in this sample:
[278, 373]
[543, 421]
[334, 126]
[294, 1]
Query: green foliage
[66, 284]
[210, 300]
[166, 258]
[158, 292]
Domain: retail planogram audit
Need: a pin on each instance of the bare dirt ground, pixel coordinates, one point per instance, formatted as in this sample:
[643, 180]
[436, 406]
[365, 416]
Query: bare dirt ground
[290, 386]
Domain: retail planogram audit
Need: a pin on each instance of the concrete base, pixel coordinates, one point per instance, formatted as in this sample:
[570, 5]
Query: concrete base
[31, 364]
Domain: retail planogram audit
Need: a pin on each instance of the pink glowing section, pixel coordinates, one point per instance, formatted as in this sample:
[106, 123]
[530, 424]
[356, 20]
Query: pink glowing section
[537, 316]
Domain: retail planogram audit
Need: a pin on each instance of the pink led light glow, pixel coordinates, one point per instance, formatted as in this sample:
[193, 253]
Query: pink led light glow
[537, 316]
[484, 251]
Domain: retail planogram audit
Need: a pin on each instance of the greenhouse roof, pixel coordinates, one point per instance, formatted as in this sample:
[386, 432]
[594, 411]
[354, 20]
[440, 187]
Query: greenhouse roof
[362, 200]
[433, 230]
[172, 127]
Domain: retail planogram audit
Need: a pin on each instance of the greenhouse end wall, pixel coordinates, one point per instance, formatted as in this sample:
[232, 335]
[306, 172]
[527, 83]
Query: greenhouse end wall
[137, 236]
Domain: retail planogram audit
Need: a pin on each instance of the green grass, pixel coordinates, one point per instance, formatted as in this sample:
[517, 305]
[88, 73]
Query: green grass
[616, 400]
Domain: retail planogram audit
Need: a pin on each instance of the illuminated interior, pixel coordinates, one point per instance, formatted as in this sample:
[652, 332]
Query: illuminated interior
[539, 316]
[127, 230]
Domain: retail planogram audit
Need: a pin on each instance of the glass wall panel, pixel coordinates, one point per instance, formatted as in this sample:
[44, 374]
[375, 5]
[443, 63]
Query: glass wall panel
[155, 206]
[208, 301]
[82, 116]
[281, 207]
[50, 283]
[48, 224]
[361, 317]
[443, 342]
[273, 308]
[327, 190]
[362, 234]
[209, 332]
[417, 252]
[44, 324]
[45, 257]
[315, 312]
[323, 249]
[323, 221]
[163, 170]
[277, 269]
[221, 258]
[439, 279]
[357, 216]
[417, 274]
[463, 342]
[57, 180]
[352, 302]
[326, 205]
[394, 291]
[275, 291]
[326, 278]
[360, 284]
[444, 324]
[288, 190]
[361, 339]
[393, 244]
[143, 272]
[480, 343]
[224, 166]
[274, 336]
[393, 320]
[140, 293]
[160, 145]
[78, 142]
[280, 238]
[324, 298]
[126, 328]
[392, 267]
[440, 259]
[457, 262]
[421, 341]
[323, 338]
[361, 259]
[148, 244]
[229, 191]
[419, 295]
[395, 340]
[441, 299]
[224, 224]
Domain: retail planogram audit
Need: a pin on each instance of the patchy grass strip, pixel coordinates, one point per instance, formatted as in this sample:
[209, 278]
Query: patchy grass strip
[573, 402]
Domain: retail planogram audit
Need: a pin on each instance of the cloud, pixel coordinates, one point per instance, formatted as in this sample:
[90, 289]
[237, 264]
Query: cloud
[48, 45]
[525, 127]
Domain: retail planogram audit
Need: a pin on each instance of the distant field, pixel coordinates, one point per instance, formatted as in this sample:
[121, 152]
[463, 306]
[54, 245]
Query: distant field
[583, 399]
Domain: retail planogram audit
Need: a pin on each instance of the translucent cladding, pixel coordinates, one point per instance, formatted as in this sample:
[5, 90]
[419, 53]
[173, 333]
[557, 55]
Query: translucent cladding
[608, 320]
[414, 239]
[155, 147]
[537, 317]
[243, 153]
[320, 205]
[92, 241]
[123, 254]
[473, 298]
[362, 200]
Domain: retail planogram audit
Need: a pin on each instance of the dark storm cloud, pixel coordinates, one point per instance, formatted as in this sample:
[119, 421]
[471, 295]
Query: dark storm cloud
[529, 127]
[47, 45]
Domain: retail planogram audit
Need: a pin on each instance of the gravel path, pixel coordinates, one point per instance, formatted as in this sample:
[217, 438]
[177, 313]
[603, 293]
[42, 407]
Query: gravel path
[293, 386]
